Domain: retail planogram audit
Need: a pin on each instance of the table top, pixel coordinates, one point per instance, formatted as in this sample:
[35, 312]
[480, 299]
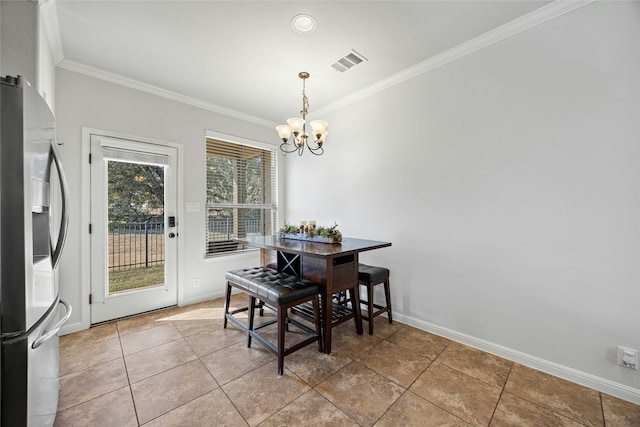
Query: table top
[348, 245]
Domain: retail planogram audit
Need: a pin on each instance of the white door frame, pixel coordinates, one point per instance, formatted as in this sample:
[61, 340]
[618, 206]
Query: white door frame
[85, 217]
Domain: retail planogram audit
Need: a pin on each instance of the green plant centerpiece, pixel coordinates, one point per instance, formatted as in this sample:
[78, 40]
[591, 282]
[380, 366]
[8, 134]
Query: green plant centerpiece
[289, 229]
[314, 234]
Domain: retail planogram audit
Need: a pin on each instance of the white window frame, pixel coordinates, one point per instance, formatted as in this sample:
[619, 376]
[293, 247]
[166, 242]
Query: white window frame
[275, 205]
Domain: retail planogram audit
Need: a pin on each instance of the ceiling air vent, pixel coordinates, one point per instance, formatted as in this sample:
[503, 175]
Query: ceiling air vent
[348, 61]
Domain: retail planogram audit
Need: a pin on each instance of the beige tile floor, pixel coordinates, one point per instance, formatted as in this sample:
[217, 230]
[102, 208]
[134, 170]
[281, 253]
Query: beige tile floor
[179, 367]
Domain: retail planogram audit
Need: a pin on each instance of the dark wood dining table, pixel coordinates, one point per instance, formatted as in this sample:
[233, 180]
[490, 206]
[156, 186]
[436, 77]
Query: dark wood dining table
[332, 265]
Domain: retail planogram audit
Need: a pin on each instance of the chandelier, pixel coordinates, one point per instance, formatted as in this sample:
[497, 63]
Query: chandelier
[294, 134]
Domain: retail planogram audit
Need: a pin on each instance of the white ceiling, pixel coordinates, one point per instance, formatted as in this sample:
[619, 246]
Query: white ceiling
[243, 57]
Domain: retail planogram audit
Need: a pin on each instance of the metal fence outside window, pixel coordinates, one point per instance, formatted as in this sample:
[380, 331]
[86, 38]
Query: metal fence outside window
[223, 228]
[136, 245]
[222, 231]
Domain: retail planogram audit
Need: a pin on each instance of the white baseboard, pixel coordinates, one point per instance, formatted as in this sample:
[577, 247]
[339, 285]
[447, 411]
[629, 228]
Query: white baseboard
[202, 298]
[597, 383]
[72, 327]
[80, 326]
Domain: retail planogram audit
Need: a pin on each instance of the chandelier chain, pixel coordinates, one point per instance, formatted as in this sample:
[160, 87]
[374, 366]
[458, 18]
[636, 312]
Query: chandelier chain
[305, 101]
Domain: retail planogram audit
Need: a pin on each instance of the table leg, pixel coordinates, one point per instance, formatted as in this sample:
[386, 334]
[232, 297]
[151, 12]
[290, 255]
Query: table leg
[327, 310]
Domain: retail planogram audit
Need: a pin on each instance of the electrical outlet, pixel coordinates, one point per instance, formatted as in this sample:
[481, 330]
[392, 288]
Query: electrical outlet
[628, 357]
[196, 282]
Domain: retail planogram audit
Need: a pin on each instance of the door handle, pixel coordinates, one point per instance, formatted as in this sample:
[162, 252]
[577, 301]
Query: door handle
[172, 235]
[64, 222]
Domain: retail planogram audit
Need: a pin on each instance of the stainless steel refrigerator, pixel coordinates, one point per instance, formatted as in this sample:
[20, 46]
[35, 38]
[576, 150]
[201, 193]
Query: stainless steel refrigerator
[31, 241]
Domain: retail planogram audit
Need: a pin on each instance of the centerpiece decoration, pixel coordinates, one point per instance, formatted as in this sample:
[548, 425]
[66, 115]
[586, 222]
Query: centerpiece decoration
[310, 232]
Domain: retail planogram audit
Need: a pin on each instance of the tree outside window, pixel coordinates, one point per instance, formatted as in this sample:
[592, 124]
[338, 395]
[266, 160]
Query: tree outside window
[240, 193]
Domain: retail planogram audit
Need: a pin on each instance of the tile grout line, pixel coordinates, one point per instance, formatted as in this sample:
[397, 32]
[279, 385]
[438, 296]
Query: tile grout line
[501, 393]
[124, 362]
[551, 410]
[406, 389]
[416, 379]
[220, 385]
[181, 364]
[439, 354]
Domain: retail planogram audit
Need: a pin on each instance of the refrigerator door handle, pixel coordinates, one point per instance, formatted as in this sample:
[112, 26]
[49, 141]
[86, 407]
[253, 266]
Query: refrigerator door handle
[45, 336]
[64, 222]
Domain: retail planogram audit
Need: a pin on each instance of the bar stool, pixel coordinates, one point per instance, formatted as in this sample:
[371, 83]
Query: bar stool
[370, 276]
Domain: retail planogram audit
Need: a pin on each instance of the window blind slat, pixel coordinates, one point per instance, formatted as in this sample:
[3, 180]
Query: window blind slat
[241, 193]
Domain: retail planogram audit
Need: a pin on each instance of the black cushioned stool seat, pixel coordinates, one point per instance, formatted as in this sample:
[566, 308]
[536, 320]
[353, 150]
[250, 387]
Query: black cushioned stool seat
[370, 276]
[279, 291]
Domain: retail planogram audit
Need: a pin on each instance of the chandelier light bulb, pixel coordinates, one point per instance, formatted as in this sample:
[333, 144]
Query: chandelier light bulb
[296, 124]
[284, 132]
[317, 126]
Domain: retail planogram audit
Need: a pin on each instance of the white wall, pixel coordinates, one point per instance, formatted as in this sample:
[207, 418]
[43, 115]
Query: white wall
[508, 183]
[84, 101]
[19, 48]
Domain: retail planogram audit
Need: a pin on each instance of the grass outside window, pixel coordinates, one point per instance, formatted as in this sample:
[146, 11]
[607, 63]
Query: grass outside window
[136, 278]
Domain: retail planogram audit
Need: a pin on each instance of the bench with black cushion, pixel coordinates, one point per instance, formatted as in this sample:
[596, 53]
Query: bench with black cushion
[370, 276]
[238, 279]
[280, 292]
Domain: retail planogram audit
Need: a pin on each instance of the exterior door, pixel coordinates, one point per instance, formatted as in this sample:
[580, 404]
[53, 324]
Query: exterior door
[133, 227]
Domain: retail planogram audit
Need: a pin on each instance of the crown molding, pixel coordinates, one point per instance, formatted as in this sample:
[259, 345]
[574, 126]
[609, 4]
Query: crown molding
[518, 25]
[154, 90]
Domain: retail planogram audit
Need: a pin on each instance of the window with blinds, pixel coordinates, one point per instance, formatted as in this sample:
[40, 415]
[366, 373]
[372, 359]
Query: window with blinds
[241, 194]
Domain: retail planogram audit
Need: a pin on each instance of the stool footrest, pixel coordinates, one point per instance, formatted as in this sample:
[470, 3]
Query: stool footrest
[265, 324]
[236, 321]
[302, 326]
[269, 345]
[230, 315]
[378, 306]
[239, 310]
[273, 348]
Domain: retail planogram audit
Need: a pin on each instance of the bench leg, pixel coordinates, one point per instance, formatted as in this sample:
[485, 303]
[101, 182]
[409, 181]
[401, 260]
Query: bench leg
[282, 320]
[227, 301]
[387, 294]
[252, 309]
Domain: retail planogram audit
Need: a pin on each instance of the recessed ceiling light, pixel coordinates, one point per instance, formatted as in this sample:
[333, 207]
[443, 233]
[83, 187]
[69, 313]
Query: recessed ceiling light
[303, 24]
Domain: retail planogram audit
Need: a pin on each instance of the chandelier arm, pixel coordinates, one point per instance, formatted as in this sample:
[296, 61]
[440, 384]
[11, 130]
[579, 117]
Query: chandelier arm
[313, 150]
[284, 145]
